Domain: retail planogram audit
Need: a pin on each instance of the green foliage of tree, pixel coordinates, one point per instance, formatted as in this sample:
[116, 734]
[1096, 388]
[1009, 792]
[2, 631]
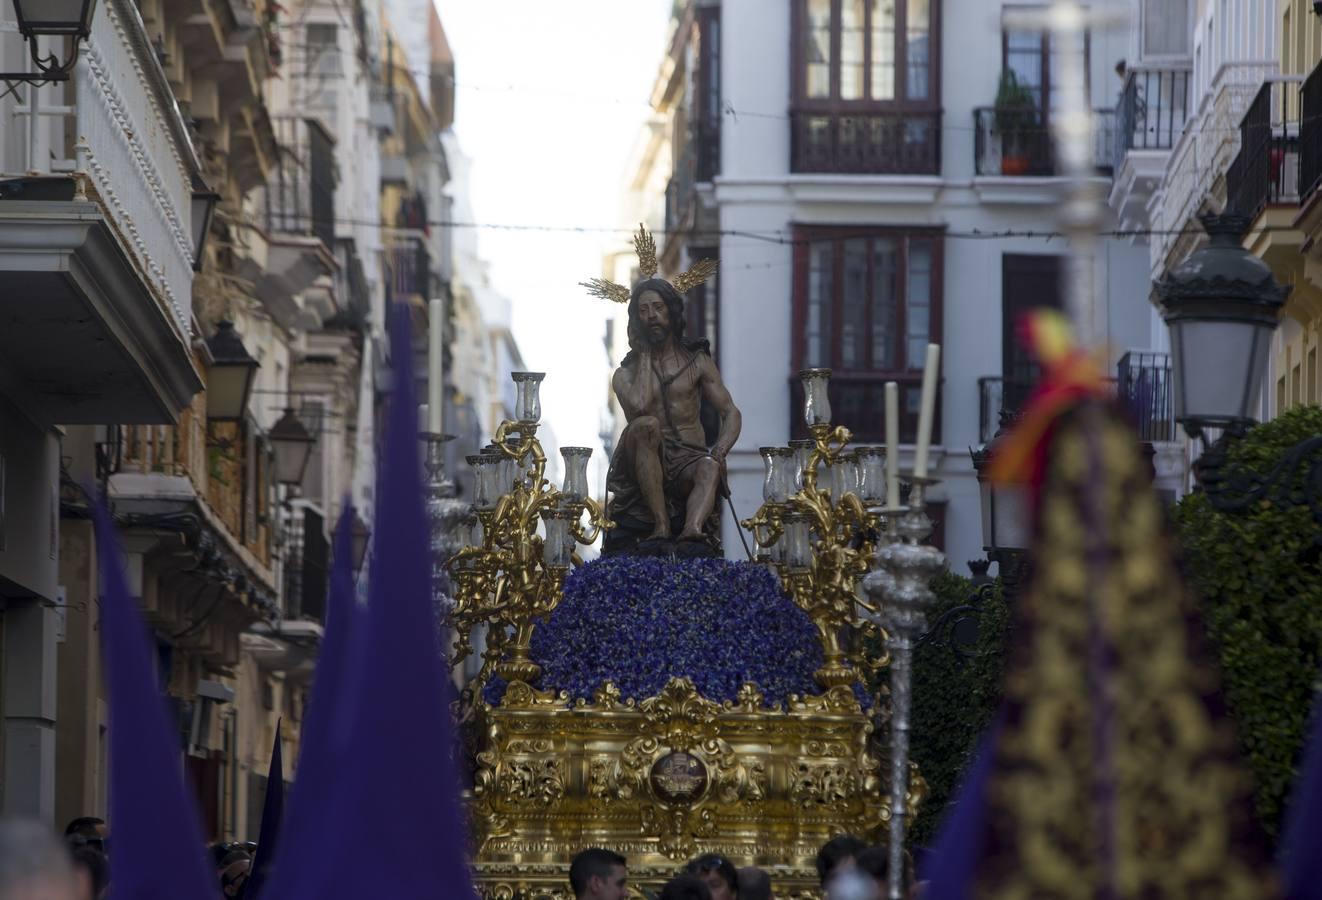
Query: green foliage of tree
[1259, 578]
[954, 698]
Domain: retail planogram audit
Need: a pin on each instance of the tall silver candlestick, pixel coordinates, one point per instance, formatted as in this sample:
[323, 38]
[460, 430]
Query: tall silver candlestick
[901, 589]
[446, 514]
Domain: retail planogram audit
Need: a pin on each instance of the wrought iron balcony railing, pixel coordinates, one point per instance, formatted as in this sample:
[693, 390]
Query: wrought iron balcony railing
[1310, 134]
[300, 197]
[880, 143]
[1266, 171]
[1154, 106]
[1143, 381]
[859, 400]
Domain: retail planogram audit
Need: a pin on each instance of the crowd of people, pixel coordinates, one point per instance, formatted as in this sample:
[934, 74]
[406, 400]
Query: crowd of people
[847, 869]
[36, 865]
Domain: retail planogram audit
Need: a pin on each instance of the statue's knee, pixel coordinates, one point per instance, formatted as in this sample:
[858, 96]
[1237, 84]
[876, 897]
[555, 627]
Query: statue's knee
[709, 470]
[646, 430]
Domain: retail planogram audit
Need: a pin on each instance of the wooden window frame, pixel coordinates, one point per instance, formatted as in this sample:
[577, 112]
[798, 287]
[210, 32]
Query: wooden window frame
[834, 104]
[1044, 53]
[910, 375]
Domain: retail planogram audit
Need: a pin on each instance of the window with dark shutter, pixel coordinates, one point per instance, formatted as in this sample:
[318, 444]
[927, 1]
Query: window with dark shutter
[866, 303]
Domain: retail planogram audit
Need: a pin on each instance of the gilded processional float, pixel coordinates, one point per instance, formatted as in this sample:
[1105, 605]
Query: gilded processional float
[661, 700]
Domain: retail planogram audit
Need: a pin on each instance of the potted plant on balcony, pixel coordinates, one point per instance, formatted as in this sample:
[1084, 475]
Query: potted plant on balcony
[1014, 116]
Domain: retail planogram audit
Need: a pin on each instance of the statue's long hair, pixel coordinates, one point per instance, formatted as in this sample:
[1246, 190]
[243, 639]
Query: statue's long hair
[674, 300]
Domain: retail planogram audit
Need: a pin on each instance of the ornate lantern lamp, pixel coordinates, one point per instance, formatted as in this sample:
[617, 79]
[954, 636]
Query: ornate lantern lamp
[230, 375]
[1222, 305]
[293, 448]
[51, 18]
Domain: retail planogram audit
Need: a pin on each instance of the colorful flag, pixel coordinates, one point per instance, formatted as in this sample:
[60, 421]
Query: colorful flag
[159, 850]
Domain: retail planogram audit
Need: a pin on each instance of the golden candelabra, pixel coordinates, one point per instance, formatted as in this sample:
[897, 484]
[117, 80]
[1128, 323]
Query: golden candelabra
[817, 530]
[510, 575]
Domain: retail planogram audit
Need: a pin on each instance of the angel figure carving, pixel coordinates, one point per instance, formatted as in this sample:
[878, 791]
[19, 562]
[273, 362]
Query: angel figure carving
[668, 471]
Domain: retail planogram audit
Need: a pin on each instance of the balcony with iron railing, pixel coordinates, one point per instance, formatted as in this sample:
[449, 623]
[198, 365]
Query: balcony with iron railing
[96, 233]
[1150, 116]
[1310, 135]
[1146, 391]
[858, 400]
[1027, 148]
[865, 142]
[210, 464]
[300, 198]
[1266, 171]
[408, 263]
[1142, 385]
[1154, 105]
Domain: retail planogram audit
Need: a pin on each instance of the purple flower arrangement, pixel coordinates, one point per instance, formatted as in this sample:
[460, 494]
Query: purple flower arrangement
[639, 621]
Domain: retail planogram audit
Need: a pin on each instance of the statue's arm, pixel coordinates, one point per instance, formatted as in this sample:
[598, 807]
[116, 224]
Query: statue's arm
[715, 393]
[634, 389]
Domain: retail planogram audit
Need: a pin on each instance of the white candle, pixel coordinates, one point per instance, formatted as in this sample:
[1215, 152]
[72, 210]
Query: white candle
[926, 411]
[435, 358]
[892, 445]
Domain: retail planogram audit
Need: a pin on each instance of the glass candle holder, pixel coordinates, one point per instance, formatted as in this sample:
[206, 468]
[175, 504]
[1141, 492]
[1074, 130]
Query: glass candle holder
[871, 475]
[528, 401]
[816, 403]
[575, 486]
[796, 540]
[777, 476]
[802, 451]
[486, 481]
[556, 544]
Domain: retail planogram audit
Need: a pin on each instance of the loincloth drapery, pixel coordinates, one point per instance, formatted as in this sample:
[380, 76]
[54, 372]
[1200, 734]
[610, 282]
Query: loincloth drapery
[627, 507]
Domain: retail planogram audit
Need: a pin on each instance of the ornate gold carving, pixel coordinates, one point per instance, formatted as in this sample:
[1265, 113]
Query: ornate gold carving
[679, 713]
[533, 782]
[843, 547]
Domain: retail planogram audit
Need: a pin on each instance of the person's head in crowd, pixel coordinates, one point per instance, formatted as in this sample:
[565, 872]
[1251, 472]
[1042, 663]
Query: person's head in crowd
[685, 886]
[92, 871]
[837, 853]
[599, 874]
[91, 830]
[235, 869]
[754, 884]
[34, 864]
[874, 862]
[718, 873]
[852, 883]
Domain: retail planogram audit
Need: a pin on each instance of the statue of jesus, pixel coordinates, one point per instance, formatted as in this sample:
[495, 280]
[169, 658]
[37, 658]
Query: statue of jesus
[668, 471]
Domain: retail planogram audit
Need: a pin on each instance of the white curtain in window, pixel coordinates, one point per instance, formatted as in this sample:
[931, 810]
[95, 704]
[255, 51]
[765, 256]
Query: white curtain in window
[1166, 29]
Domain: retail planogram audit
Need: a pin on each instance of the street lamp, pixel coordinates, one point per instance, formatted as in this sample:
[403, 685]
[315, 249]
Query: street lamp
[202, 211]
[1222, 305]
[293, 448]
[230, 375]
[51, 18]
[1006, 517]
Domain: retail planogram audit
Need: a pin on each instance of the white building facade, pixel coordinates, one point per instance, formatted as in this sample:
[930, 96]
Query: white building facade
[847, 162]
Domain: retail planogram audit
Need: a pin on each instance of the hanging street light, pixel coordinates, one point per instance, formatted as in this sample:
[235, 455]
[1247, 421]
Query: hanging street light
[202, 211]
[230, 376]
[293, 448]
[1222, 305]
[51, 18]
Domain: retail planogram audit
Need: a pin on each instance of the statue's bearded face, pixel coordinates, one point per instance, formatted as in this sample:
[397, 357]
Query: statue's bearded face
[655, 317]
